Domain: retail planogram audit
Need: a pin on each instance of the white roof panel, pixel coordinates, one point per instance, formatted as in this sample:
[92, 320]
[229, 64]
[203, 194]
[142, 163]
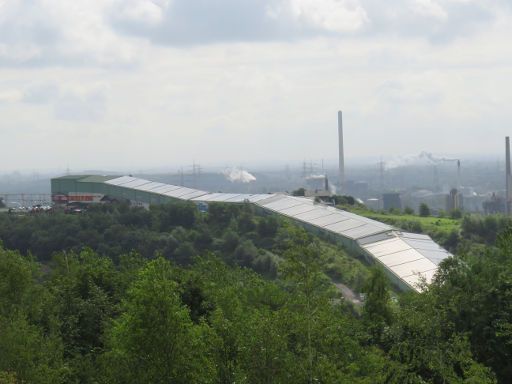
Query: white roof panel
[179, 192]
[402, 257]
[281, 204]
[435, 256]
[362, 231]
[120, 180]
[239, 198]
[414, 236]
[192, 195]
[365, 219]
[328, 220]
[297, 210]
[135, 183]
[208, 197]
[150, 187]
[313, 214]
[423, 244]
[183, 192]
[344, 226]
[222, 197]
[270, 199]
[165, 188]
[415, 279]
[386, 247]
[260, 197]
[407, 269]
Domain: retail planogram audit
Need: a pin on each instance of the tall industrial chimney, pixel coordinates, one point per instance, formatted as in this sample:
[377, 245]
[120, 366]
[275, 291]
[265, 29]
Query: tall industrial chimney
[342, 153]
[508, 176]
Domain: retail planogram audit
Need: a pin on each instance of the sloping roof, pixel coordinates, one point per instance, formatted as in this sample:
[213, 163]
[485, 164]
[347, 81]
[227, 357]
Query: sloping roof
[324, 217]
[410, 257]
[96, 179]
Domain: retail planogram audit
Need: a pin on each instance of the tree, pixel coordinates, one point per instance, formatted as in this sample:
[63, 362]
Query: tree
[267, 226]
[409, 211]
[422, 340]
[377, 311]
[473, 296]
[85, 293]
[456, 214]
[299, 192]
[29, 352]
[310, 289]
[424, 210]
[2, 204]
[154, 340]
[176, 214]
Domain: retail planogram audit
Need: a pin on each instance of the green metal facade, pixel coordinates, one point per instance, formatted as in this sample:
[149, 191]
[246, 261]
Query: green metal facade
[96, 184]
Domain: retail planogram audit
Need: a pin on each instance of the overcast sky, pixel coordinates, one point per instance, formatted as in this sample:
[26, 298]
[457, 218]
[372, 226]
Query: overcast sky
[153, 83]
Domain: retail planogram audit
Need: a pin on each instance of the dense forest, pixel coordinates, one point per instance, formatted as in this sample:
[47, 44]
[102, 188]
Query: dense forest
[171, 295]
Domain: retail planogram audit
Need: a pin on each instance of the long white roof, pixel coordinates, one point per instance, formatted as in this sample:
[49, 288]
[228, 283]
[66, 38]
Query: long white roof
[328, 218]
[412, 258]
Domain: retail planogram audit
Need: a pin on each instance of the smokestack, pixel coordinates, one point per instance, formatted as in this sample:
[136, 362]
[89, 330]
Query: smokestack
[508, 176]
[342, 153]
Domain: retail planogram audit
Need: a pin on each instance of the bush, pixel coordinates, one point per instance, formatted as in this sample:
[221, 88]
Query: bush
[409, 211]
[456, 214]
[424, 210]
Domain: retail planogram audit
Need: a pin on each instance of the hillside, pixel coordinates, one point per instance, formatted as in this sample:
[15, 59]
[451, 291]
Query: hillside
[122, 295]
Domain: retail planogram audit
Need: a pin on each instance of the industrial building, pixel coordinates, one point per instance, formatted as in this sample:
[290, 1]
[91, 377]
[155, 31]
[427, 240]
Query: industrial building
[407, 258]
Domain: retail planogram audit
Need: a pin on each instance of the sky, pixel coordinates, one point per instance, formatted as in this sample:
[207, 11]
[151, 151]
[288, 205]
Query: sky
[134, 84]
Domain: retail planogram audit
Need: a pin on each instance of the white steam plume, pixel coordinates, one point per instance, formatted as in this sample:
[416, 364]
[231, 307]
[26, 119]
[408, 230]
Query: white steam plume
[237, 175]
[424, 158]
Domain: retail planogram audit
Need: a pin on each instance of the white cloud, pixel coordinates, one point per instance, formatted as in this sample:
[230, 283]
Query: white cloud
[331, 15]
[430, 8]
[10, 95]
[147, 12]
[338, 16]
[82, 103]
[224, 82]
[60, 32]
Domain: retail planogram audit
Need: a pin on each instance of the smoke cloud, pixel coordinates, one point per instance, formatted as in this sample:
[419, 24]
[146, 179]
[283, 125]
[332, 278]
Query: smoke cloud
[424, 158]
[237, 175]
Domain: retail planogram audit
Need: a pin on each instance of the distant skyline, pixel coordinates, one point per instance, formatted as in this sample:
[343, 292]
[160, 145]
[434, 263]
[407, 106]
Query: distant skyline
[138, 84]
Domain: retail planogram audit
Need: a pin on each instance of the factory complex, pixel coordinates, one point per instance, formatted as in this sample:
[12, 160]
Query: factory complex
[409, 259]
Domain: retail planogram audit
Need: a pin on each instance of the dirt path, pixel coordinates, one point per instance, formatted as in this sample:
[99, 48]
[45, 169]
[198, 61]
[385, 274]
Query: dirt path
[349, 294]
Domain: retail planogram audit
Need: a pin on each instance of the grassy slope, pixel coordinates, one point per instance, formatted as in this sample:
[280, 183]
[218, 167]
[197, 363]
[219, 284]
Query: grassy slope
[436, 227]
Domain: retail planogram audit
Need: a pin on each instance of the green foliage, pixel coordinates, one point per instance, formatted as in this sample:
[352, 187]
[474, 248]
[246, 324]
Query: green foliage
[344, 200]
[408, 211]
[29, 350]
[473, 296]
[8, 378]
[456, 214]
[175, 231]
[377, 312]
[124, 295]
[484, 229]
[299, 192]
[28, 353]
[154, 340]
[424, 210]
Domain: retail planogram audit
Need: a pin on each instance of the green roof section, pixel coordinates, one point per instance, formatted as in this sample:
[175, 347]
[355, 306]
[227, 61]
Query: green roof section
[87, 178]
[96, 179]
[71, 177]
